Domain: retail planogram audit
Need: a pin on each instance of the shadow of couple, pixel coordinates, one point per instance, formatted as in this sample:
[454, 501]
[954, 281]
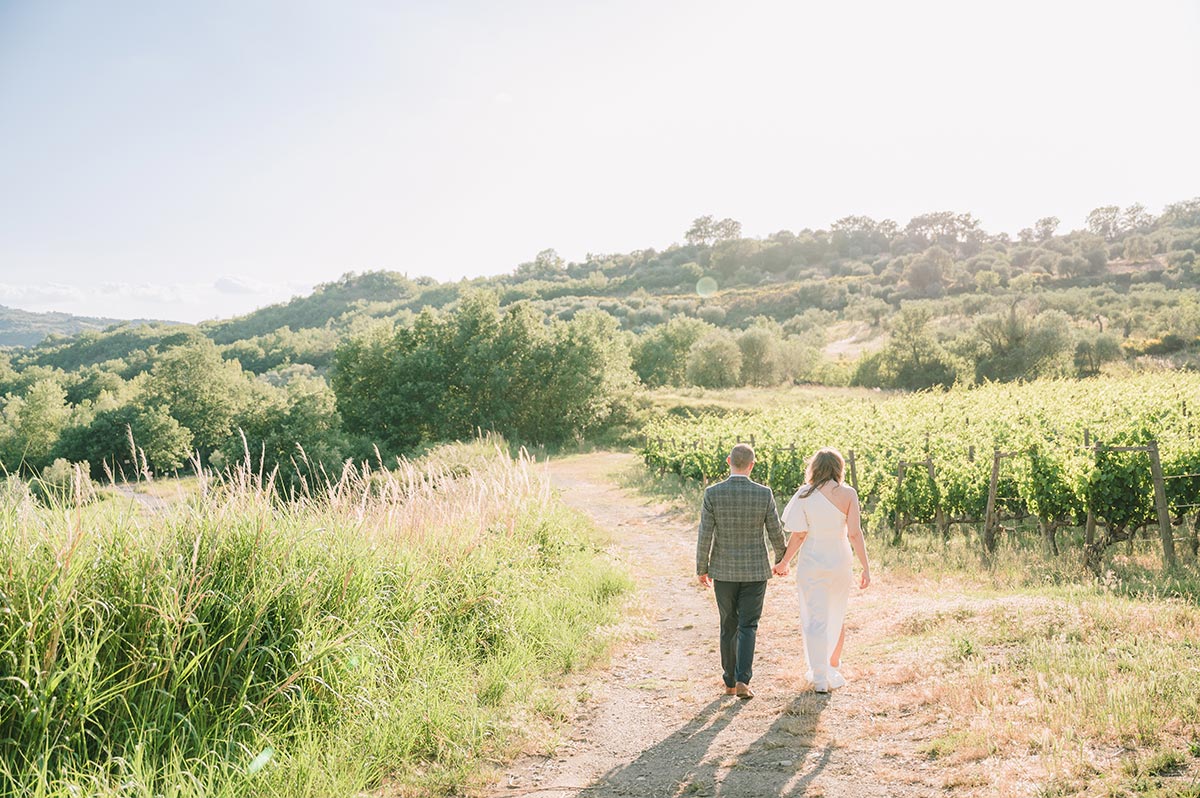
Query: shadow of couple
[780, 762]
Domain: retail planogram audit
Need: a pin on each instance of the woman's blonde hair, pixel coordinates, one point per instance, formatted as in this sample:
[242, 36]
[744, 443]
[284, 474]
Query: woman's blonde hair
[826, 465]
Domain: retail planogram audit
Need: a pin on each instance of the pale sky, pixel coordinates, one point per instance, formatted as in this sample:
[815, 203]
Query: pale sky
[191, 160]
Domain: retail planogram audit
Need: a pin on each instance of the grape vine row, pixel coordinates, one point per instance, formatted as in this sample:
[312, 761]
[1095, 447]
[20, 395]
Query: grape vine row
[1055, 433]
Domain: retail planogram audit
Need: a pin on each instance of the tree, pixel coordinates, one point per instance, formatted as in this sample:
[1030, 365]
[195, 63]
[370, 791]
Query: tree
[1072, 266]
[587, 379]
[727, 230]
[701, 232]
[1136, 219]
[200, 390]
[715, 361]
[296, 430]
[1092, 353]
[660, 355]
[111, 438]
[33, 425]
[1044, 228]
[912, 359]
[762, 356]
[449, 374]
[956, 232]
[859, 236]
[1093, 249]
[546, 265]
[1182, 214]
[986, 281]
[1105, 222]
[705, 231]
[926, 273]
[1138, 248]
[1020, 345]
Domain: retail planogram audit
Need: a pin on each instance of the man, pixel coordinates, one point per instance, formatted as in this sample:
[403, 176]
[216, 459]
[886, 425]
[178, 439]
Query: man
[731, 555]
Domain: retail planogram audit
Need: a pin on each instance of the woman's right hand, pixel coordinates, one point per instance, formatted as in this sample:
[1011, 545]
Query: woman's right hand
[865, 581]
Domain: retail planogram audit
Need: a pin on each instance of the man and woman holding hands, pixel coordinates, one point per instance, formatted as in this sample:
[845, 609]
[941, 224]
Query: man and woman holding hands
[739, 520]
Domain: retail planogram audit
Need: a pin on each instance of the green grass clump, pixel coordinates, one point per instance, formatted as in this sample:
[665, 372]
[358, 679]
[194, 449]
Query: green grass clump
[392, 628]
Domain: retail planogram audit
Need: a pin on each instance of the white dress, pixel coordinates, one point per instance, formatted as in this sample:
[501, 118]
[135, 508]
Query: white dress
[823, 574]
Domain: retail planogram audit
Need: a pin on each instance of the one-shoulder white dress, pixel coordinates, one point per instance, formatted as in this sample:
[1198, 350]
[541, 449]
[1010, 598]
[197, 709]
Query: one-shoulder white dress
[823, 574]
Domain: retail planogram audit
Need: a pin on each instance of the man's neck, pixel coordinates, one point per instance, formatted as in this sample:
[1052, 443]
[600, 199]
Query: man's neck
[739, 474]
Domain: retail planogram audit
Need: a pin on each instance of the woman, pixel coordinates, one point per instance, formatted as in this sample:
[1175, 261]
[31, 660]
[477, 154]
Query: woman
[824, 516]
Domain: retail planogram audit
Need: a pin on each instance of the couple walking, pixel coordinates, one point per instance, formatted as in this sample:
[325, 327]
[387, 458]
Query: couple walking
[731, 556]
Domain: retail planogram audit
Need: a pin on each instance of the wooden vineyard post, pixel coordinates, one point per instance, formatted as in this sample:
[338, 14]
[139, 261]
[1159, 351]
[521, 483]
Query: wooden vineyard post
[1160, 506]
[989, 521]
[1089, 527]
[898, 532]
[862, 521]
[939, 517]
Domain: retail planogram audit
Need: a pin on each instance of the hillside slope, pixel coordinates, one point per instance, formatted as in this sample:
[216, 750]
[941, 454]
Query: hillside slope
[26, 328]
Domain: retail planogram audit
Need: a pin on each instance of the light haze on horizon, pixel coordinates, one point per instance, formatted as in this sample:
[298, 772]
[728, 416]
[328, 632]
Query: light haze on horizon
[197, 160]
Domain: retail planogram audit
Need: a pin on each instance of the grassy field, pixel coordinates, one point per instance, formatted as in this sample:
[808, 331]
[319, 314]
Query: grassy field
[398, 630]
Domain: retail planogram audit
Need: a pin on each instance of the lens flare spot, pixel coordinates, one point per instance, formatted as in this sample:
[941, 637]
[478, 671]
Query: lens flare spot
[707, 286]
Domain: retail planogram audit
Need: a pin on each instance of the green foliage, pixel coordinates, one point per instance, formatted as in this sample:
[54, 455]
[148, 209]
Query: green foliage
[200, 390]
[449, 374]
[660, 355]
[1040, 424]
[1020, 345]
[295, 430]
[715, 361]
[1052, 303]
[762, 355]
[327, 302]
[125, 441]
[912, 359]
[31, 425]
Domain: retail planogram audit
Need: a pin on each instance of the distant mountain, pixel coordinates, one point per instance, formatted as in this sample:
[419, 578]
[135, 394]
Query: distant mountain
[25, 328]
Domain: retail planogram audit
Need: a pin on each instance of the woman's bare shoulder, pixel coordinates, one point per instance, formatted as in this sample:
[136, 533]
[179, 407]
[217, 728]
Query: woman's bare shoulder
[844, 497]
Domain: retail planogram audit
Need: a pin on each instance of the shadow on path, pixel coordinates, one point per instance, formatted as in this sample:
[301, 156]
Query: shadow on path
[786, 759]
[783, 761]
[678, 761]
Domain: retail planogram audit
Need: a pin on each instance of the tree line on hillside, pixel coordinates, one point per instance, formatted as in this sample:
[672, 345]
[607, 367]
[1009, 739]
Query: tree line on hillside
[445, 376]
[556, 350]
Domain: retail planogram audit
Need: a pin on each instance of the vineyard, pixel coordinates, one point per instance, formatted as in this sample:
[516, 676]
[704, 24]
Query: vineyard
[1112, 456]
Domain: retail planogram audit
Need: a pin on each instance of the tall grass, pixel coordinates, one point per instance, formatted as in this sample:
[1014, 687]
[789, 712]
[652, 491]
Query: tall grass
[390, 627]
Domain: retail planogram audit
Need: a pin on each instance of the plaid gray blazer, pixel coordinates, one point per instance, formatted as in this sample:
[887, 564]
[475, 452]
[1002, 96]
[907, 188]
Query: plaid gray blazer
[731, 546]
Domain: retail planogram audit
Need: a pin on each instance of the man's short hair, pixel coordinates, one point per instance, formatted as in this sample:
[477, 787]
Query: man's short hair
[741, 456]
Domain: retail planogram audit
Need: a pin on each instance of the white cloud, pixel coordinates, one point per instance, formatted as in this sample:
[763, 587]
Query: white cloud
[30, 297]
[151, 292]
[238, 285]
[189, 302]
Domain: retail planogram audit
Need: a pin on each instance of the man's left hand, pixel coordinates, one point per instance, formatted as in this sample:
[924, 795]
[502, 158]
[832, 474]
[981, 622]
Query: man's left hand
[705, 580]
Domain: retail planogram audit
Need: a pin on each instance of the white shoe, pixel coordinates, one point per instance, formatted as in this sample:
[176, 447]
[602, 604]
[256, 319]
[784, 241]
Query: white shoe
[821, 687]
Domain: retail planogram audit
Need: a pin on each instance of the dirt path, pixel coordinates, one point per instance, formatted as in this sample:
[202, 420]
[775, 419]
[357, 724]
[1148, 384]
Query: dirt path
[656, 723]
[151, 504]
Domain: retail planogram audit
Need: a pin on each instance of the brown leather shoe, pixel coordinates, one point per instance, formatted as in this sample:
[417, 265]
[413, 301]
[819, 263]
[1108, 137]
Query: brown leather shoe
[730, 691]
[742, 690]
